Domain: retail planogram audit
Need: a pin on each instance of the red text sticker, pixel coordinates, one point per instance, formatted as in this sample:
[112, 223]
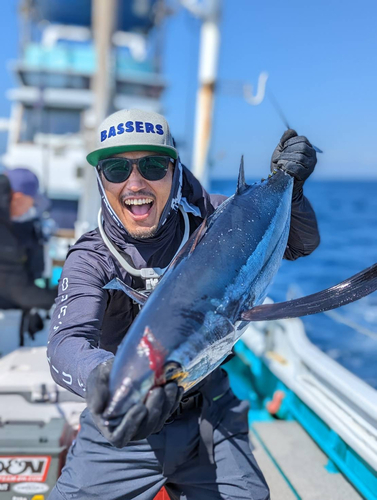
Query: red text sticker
[17, 469]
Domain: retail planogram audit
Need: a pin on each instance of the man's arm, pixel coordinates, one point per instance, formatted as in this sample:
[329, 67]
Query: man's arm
[78, 364]
[73, 348]
[303, 236]
[295, 155]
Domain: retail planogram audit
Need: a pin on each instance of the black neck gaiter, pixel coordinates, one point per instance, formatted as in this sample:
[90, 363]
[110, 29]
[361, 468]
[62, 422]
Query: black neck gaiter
[159, 250]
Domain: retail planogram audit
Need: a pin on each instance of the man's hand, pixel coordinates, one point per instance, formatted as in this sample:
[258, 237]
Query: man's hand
[295, 155]
[141, 420]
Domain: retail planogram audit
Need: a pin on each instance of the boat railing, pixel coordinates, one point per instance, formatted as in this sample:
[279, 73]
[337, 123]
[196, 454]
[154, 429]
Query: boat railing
[347, 404]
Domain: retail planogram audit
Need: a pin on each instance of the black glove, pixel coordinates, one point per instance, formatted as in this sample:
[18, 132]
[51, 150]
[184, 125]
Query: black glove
[295, 155]
[141, 420]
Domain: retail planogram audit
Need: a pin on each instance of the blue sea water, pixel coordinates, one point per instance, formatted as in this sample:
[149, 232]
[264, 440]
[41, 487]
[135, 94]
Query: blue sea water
[347, 219]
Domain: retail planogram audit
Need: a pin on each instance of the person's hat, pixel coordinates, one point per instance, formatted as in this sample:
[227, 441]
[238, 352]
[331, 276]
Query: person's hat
[132, 130]
[23, 180]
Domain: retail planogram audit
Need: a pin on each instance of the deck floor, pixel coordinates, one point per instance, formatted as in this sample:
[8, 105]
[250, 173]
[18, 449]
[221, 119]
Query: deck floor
[286, 454]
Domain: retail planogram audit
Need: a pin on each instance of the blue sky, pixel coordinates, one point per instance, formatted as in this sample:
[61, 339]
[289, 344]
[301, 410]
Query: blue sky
[322, 60]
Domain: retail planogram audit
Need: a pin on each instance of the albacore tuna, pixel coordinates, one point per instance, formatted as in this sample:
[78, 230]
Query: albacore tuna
[190, 323]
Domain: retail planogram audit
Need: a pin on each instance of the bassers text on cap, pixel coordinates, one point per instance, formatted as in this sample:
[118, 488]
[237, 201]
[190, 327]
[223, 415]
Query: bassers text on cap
[132, 130]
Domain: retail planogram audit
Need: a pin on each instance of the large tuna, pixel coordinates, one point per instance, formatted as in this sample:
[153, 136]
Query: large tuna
[187, 326]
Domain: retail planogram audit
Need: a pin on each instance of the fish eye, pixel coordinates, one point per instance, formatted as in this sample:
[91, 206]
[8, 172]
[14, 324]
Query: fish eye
[173, 370]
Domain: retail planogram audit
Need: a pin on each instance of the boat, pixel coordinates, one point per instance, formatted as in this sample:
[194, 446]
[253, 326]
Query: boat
[313, 424]
[52, 105]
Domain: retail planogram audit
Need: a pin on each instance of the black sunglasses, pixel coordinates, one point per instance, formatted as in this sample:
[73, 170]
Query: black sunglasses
[152, 168]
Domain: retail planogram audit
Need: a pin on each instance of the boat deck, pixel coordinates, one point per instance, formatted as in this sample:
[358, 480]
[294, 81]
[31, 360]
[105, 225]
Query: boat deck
[294, 466]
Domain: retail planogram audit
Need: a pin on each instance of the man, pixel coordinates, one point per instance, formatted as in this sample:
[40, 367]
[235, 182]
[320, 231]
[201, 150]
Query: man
[25, 211]
[148, 201]
[17, 264]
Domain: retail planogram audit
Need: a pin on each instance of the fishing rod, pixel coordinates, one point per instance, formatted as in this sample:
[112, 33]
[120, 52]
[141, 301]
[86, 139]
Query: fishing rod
[280, 112]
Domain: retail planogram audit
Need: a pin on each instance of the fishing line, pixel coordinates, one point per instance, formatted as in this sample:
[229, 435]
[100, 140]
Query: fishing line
[277, 107]
[281, 114]
[348, 322]
[295, 291]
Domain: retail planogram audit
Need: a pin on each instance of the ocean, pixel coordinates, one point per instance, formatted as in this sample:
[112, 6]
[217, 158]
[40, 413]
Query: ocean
[347, 219]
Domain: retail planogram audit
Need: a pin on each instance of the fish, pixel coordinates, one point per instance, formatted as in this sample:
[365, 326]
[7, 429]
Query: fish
[211, 291]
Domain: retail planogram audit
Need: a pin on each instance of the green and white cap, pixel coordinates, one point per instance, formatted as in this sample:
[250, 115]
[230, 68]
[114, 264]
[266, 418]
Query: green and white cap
[132, 130]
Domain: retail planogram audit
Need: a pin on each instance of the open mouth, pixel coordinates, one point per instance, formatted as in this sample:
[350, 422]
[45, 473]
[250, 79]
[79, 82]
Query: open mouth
[139, 207]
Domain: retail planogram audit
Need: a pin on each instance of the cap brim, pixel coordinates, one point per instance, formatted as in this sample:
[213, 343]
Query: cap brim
[94, 157]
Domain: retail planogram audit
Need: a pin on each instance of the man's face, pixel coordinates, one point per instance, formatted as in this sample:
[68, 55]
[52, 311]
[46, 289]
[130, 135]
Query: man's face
[140, 220]
[20, 203]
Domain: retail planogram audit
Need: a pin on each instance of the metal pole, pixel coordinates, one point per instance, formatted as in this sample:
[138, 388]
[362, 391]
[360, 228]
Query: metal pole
[208, 59]
[103, 21]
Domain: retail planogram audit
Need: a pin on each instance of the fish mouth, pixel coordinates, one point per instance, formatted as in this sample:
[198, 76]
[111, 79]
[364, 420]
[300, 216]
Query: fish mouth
[129, 393]
[122, 400]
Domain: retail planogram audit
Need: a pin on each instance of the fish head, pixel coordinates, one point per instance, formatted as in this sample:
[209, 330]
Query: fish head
[133, 377]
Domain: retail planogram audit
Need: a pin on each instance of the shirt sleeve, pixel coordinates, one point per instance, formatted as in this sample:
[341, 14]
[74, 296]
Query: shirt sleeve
[73, 346]
[303, 236]
[217, 199]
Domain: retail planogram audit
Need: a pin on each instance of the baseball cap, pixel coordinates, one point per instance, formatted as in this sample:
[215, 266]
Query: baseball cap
[23, 180]
[132, 130]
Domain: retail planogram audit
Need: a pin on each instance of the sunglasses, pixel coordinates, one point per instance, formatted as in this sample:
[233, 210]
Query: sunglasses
[152, 168]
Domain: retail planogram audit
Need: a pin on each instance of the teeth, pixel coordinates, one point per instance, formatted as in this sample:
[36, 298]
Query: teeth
[140, 201]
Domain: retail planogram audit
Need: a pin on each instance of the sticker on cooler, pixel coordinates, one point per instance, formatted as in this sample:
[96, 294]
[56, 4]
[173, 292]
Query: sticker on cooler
[35, 497]
[30, 488]
[21, 469]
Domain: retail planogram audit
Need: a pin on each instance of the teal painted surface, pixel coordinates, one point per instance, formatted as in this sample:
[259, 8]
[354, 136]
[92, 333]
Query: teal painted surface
[55, 277]
[80, 59]
[251, 379]
[331, 467]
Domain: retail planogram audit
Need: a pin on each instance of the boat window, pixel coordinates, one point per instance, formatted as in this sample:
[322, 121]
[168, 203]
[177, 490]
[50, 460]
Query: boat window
[55, 121]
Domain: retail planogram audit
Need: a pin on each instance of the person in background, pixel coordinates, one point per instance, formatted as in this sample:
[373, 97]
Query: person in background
[20, 260]
[26, 207]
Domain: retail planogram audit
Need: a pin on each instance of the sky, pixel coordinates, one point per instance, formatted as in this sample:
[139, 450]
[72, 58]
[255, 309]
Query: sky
[321, 57]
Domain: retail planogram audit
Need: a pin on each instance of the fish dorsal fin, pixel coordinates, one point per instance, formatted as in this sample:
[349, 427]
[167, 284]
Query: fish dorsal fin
[199, 234]
[117, 284]
[241, 186]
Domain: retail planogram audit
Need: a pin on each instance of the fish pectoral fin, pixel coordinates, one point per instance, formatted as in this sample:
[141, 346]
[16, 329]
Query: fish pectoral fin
[200, 232]
[347, 291]
[117, 284]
